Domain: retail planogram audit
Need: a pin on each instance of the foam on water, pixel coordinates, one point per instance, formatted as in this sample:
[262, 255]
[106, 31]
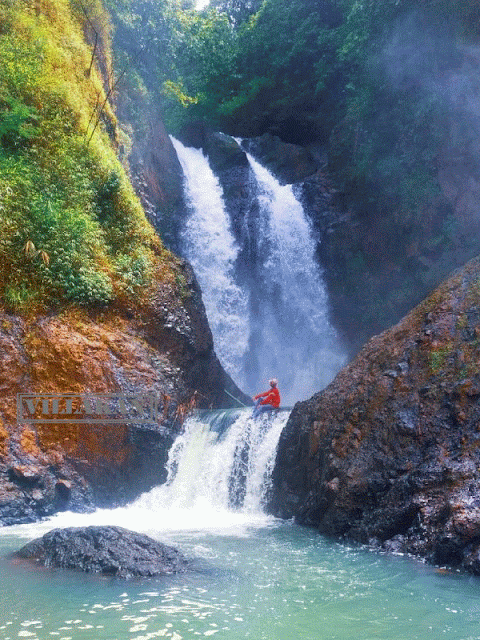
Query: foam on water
[217, 482]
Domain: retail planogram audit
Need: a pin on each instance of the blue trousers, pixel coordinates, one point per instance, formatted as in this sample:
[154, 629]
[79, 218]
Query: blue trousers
[261, 408]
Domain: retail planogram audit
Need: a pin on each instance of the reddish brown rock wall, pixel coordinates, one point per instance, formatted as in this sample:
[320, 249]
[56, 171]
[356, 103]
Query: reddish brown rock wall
[164, 347]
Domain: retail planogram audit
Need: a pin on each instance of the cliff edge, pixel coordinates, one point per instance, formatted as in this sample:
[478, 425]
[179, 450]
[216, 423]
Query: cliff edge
[388, 454]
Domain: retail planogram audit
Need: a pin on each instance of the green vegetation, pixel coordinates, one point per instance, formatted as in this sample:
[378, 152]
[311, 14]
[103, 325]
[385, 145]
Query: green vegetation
[355, 76]
[72, 229]
[439, 358]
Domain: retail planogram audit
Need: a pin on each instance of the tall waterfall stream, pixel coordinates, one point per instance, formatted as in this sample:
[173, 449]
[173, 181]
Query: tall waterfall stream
[210, 247]
[276, 324]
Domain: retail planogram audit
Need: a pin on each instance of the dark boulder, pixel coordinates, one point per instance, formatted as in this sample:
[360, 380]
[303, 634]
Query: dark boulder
[193, 134]
[390, 450]
[224, 153]
[230, 164]
[112, 551]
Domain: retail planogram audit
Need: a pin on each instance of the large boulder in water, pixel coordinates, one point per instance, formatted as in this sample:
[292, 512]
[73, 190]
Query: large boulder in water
[112, 551]
[389, 452]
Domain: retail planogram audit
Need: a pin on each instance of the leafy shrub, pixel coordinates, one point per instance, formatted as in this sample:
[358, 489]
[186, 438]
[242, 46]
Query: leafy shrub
[107, 192]
[17, 123]
[74, 243]
[19, 298]
[86, 286]
[134, 270]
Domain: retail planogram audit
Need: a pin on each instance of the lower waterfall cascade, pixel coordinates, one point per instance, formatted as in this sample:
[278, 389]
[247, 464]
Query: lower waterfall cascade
[221, 463]
[252, 575]
[219, 472]
[273, 323]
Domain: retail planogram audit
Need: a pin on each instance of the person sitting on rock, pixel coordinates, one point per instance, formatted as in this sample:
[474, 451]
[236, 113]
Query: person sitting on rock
[268, 400]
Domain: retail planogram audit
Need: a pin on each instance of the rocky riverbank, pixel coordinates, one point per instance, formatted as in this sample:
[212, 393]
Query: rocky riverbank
[389, 453]
[164, 347]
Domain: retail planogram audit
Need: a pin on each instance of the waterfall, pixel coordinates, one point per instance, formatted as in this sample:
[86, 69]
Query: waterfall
[219, 478]
[220, 464]
[209, 246]
[263, 290]
[293, 334]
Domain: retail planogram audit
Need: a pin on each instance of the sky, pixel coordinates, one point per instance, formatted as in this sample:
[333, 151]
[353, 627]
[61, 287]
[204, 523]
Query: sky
[200, 4]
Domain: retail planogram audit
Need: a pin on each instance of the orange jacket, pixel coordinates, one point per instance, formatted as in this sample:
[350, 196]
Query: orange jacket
[270, 397]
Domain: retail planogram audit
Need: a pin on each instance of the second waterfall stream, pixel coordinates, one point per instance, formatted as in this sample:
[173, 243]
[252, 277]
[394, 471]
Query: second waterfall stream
[269, 312]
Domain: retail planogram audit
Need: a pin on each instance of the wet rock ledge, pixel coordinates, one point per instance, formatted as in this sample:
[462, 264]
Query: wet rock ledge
[111, 551]
[389, 453]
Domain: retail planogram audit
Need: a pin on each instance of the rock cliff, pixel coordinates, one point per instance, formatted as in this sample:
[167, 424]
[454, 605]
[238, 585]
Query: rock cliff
[158, 180]
[164, 347]
[389, 452]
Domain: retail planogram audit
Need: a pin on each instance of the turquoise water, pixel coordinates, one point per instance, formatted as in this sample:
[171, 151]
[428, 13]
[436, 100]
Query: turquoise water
[274, 582]
[253, 576]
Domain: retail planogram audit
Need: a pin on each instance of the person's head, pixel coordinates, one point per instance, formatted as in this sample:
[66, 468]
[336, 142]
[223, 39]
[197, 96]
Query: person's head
[273, 382]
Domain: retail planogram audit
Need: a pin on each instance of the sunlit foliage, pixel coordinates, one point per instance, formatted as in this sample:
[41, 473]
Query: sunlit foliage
[72, 230]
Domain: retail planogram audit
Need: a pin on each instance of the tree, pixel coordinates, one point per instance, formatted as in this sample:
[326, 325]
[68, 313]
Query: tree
[238, 11]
